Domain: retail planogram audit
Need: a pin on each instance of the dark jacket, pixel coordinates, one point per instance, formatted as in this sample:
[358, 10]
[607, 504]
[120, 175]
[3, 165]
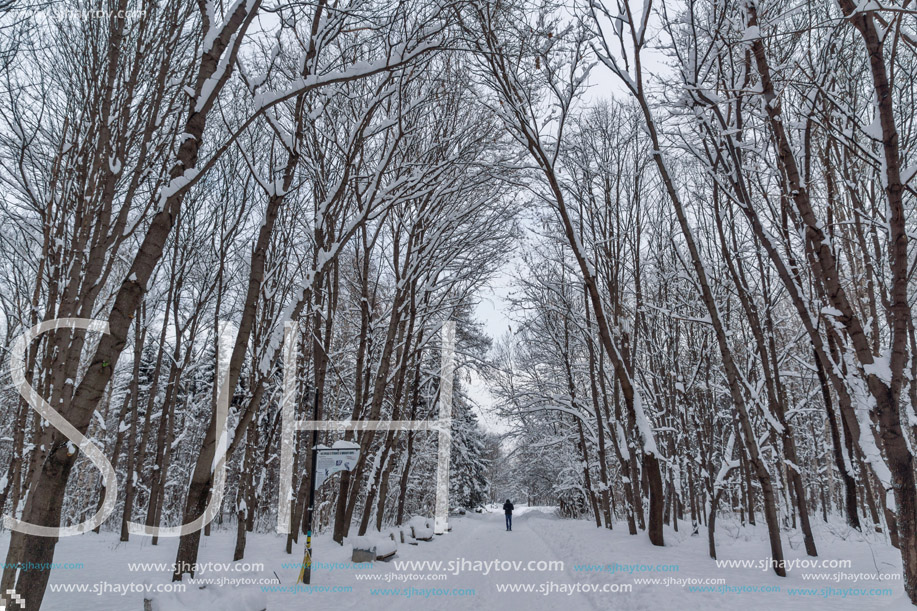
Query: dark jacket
[507, 507]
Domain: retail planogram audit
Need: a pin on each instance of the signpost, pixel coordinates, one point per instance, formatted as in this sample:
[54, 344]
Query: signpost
[325, 463]
[343, 456]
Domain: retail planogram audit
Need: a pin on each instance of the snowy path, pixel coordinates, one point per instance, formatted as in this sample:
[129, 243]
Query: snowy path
[458, 571]
[487, 541]
[588, 553]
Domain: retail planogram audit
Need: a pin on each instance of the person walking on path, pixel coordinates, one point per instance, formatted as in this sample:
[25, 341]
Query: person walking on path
[508, 510]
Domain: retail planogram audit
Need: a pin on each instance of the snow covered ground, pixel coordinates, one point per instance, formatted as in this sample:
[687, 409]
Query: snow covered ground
[566, 564]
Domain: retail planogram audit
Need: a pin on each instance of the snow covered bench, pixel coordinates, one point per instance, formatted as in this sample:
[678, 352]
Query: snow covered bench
[421, 529]
[385, 549]
[409, 538]
[366, 549]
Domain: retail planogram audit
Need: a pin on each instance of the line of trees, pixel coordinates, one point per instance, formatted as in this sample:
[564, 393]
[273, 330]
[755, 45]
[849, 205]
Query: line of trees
[201, 168]
[717, 297]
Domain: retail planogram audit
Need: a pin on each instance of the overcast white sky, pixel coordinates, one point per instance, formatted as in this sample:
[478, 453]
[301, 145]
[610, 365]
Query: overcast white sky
[493, 310]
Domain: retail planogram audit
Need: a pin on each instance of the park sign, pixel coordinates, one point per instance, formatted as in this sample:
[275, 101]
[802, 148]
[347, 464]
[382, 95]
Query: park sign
[328, 461]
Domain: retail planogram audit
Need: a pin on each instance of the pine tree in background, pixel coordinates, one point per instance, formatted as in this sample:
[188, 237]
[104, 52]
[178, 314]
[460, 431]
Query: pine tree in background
[470, 464]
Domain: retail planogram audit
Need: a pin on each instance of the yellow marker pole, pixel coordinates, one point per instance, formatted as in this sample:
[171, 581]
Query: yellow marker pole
[305, 573]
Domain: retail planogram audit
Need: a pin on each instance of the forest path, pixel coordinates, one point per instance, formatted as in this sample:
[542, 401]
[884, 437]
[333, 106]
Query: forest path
[442, 573]
[520, 576]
